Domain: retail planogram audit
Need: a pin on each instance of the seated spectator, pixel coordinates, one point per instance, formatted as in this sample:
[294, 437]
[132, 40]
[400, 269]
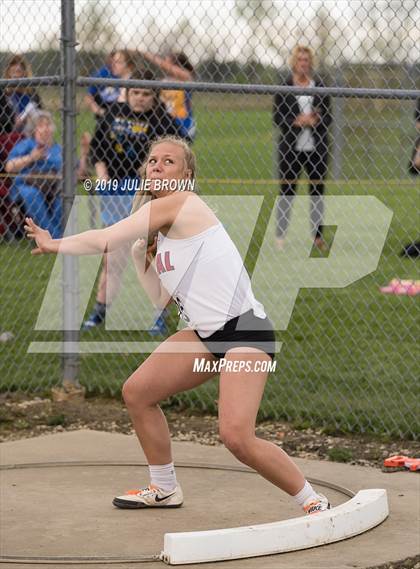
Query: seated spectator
[177, 67]
[119, 64]
[37, 162]
[24, 101]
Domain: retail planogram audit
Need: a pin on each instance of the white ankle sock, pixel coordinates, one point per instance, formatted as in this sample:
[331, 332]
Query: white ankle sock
[163, 476]
[307, 493]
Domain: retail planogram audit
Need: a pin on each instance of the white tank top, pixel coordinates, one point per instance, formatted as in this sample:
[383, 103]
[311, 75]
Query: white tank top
[207, 279]
[305, 141]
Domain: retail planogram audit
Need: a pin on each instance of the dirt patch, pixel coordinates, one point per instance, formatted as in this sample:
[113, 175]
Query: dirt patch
[23, 417]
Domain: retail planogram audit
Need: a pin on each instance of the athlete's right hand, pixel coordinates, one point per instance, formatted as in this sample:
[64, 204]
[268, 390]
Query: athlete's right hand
[41, 236]
[141, 249]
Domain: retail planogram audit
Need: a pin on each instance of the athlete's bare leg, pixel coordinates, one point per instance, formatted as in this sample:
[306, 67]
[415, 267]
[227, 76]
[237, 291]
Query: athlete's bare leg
[239, 399]
[163, 374]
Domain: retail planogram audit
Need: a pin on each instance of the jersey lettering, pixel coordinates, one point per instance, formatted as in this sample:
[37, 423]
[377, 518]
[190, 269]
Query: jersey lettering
[168, 264]
[159, 265]
[165, 265]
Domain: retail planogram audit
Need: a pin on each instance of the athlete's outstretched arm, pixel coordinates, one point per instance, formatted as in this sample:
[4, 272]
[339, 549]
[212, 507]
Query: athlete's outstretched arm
[150, 218]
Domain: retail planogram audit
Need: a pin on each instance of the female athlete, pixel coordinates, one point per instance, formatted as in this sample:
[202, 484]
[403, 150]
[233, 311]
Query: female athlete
[182, 253]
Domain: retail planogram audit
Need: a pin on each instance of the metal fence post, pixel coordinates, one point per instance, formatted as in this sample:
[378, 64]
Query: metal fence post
[70, 263]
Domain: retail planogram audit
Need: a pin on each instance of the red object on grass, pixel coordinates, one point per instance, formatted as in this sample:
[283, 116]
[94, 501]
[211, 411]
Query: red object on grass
[400, 461]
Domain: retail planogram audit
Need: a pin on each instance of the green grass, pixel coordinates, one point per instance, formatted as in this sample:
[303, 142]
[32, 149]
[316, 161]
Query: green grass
[337, 454]
[348, 360]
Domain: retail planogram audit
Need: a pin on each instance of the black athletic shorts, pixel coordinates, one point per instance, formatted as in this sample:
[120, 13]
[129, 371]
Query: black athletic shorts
[244, 331]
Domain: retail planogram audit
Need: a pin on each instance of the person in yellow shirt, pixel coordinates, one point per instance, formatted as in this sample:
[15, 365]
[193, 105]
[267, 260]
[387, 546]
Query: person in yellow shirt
[177, 67]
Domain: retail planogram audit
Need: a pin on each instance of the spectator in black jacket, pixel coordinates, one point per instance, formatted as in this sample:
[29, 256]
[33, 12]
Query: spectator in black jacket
[303, 121]
[119, 147]
[414, 166]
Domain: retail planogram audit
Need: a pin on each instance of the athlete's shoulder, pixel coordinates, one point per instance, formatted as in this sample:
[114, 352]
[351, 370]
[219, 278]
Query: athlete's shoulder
[189, 201]
[173, 200]
[172, 204]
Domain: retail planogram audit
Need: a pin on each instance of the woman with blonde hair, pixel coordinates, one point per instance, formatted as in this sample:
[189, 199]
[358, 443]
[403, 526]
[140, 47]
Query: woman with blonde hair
[303, 144]
[193, 262]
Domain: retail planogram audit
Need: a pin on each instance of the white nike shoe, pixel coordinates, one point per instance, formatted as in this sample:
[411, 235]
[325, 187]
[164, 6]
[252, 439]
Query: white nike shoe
[150, 497]
[315, 506]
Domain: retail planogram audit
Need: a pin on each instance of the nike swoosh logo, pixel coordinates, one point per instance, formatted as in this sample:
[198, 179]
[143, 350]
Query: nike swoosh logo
[157, 499]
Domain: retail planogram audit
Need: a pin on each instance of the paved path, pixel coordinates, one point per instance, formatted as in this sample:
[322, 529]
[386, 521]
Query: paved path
[67, 511]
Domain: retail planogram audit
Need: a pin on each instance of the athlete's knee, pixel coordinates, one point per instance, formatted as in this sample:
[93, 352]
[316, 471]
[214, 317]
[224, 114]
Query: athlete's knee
[237, 440]
[128, 392]
[135, 393]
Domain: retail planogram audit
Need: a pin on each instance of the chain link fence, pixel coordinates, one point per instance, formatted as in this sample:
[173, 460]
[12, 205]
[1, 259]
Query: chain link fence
[336, 122]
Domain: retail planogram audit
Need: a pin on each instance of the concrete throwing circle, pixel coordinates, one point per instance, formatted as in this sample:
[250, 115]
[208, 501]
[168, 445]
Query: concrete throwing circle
[62, 514]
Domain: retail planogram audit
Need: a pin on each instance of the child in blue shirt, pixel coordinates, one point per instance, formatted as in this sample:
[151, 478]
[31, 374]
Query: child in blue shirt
[120, 64]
